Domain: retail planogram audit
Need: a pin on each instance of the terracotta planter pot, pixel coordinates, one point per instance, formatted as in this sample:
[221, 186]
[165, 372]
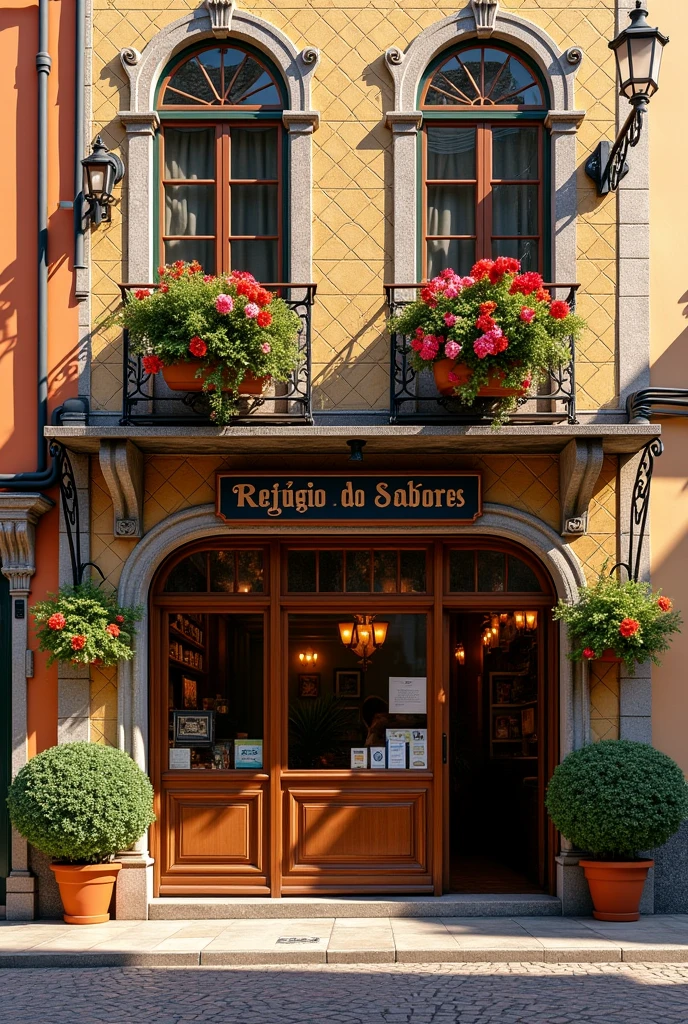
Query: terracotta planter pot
[86, 891]
[493, 389]
[609, 655]
[616, 887]
[182, 377]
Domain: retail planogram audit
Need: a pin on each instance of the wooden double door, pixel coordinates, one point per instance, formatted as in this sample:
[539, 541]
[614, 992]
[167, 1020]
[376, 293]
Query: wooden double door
[233, 629]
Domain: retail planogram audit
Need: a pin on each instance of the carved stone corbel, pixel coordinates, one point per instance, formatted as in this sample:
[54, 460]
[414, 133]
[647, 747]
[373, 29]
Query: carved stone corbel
[19, 514]
[122, 466]
[580, 463]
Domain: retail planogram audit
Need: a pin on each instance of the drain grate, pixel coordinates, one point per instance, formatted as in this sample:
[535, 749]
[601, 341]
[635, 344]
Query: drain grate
[291, 940]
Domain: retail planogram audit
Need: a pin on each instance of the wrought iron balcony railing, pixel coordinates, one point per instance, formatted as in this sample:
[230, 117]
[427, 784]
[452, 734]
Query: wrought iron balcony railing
[147, 400]
[414, 398]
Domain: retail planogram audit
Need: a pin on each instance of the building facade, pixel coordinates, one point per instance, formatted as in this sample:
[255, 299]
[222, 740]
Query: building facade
[343, 154]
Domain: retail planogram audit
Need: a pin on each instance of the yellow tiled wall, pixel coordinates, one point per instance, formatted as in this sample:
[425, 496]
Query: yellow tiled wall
[352, 199]
[527, 483]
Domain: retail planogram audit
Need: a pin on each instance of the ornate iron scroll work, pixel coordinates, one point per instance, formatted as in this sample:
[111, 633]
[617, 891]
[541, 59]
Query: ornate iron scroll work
[607, 165]
[146, 400]
[640, 506]
[413, 398]
[70, 510]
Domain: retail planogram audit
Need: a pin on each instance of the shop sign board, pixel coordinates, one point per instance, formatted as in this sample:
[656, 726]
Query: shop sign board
[349, 498]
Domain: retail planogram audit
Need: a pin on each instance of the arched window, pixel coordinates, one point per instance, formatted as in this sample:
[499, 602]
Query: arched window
[483, 160]
[221, 162]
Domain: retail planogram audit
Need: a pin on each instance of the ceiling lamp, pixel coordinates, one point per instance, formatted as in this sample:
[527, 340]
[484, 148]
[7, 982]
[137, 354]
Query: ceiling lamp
[363, 636]
[460, 653]
[308, 657]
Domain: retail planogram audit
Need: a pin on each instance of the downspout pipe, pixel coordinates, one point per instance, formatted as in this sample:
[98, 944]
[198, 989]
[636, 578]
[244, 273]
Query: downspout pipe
[44, 476]
[79, 66]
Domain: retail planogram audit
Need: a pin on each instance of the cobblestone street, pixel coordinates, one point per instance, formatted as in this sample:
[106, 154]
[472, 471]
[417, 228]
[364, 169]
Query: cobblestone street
[351, 994]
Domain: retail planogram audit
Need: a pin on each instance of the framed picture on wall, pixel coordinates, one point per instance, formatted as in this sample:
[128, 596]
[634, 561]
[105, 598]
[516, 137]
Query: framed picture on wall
[193, 728]
[309, 684]
[347, 682]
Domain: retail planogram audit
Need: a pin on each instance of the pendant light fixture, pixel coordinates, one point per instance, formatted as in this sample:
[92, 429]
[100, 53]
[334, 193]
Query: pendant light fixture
[363, 636]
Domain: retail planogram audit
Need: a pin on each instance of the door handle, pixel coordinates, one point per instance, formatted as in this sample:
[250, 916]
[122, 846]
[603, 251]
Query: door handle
[444, 748]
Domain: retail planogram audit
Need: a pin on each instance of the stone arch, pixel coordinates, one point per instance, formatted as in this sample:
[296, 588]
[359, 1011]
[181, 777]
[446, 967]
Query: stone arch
[558, 69]
[141, 120]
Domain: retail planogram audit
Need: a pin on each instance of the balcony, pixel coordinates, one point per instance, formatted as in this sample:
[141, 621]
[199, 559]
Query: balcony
[414, 399]
[147, 401]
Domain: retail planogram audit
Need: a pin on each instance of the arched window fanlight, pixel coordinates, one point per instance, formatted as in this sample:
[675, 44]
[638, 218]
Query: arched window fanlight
[221, 76]
[483, 76]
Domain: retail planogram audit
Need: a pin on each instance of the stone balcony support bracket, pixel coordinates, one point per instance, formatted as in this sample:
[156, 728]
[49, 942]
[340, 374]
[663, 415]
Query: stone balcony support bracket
[580, 463]
[122, 465]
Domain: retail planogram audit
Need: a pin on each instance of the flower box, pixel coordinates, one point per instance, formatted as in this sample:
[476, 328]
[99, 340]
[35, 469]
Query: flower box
[182, 377]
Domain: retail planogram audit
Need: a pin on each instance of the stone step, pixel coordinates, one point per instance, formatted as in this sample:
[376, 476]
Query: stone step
[182, 908]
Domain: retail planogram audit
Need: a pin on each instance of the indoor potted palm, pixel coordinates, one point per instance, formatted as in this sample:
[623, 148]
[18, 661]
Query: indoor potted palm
[622, 622]
[316, 728]
[81, 803]
[494, 334]
[84, 625]
[613, 799]
[224, 335]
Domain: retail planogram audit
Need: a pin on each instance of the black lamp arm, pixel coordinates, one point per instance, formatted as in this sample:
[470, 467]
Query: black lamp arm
[607, 165]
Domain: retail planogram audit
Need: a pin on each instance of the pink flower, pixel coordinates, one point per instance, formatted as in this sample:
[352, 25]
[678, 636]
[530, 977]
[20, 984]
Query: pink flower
[526, 314]
[207, 278]
[449, 319]
[452, 349]
[251, 310]
[451, 291]
[429, 346]
[453, 377]
[482, 347]
[57, 621]
[224, 303]
[466, 282]
[266, 347]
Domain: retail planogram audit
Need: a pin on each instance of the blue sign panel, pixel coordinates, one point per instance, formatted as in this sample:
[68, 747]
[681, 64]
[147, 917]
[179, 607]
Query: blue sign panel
[269, 498]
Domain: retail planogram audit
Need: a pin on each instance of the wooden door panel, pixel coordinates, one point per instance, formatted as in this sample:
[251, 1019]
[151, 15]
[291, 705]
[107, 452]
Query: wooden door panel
[356, 836]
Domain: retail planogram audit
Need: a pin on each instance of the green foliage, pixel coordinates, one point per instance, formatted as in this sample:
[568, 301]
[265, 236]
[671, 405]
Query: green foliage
[315, 729]
[80, 803]
[533, 350]
[164, 322]
[616, 797]
[85, 625]
[594, 621]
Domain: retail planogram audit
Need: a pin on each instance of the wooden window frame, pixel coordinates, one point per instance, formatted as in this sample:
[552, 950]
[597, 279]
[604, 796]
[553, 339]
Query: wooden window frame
[484, 183]
[480, 87]
[204, 105]
[223, 183]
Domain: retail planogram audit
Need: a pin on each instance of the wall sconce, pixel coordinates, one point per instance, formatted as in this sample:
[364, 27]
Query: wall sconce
[363, 636]
[519, 620]
[460, 653]
[487, 638]
[638, 51]
[102, 171]
[308, 657]
[503, 617]
[531, 620]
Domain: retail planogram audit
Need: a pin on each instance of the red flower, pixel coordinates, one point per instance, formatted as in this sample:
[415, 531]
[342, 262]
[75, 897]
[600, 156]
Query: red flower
[195, 267]
[263, 297]
[58, 621]
[141, 293]
[112, 629]
[526, 283]
[485, 323]
[244, 288]
[664, 603]
[78, 642]
[629, 627]
[264, 319]
[481, 269]
[503, 265]
[588, 653]
[197, 347]
[559, 310]
[164, 288]
[542, 295]
[179, 264]
[119, 618]
[152, 364]
[487, 307]
[162, 271]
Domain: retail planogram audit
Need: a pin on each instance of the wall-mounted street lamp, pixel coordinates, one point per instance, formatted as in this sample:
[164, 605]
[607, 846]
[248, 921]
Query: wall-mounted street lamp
[638, 51]
[102, 171]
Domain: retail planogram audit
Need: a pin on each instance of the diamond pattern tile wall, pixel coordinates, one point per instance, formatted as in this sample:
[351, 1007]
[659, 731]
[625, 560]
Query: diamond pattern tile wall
[352, 178]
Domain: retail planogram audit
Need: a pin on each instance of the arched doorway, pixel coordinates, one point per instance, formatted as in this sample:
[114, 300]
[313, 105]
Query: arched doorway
[290, 756]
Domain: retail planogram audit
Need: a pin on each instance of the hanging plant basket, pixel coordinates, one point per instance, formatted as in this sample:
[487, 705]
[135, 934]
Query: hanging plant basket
[182, 377]
[610, 656]
[451, 374]
[83, 625]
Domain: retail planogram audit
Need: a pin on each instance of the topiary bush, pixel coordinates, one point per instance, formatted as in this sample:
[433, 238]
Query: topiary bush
[80, 803]
[617, 797]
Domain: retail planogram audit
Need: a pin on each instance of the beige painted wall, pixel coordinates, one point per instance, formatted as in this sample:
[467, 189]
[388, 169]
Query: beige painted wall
[669, 309]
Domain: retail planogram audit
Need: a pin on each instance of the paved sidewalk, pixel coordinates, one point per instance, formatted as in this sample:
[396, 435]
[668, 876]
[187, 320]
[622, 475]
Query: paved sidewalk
[527, 940]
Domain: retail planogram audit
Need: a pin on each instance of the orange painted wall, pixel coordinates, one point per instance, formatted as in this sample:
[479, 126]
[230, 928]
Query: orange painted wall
[18, 262]
[669, 310]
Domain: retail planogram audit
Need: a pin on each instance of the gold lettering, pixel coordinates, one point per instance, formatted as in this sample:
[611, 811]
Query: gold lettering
[400, 499]
[319, 498]
[288, 495]
[414, 495]
[310, 494]
[428, 499]
[275, 510]
[439, 491]
[451, 499]
[302, 501]
[460, 500]
[264, 498]
[243, 493]
[359, 499]
[348, 495]
[383, 496]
